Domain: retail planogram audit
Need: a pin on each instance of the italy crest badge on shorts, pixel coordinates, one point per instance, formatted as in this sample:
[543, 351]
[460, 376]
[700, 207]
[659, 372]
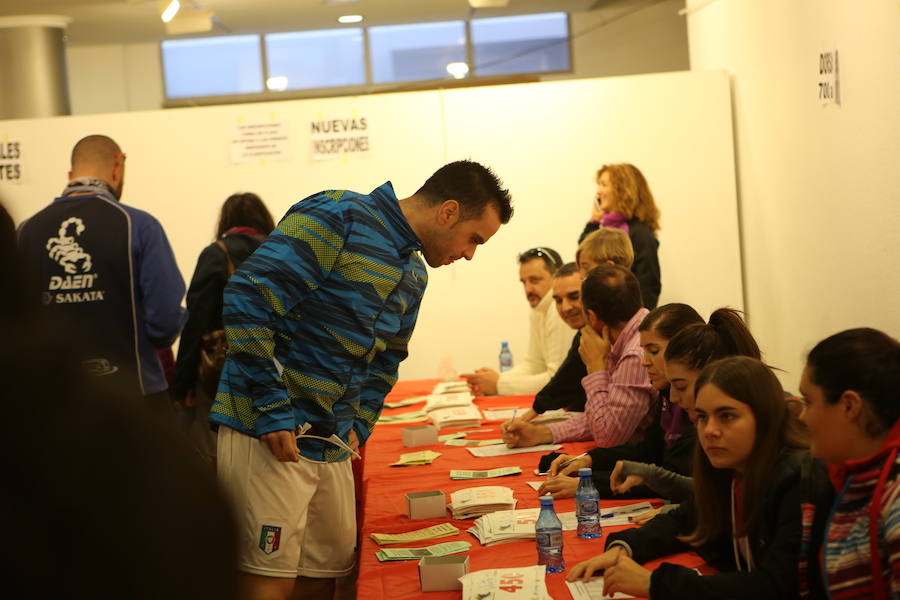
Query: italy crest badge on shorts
[269, 538]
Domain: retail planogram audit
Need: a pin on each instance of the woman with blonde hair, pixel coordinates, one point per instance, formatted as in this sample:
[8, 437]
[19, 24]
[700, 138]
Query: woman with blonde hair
[624, 201]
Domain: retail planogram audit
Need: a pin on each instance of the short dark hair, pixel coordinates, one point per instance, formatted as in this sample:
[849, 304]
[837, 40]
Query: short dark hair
[612, 292]
[244, 209]
[567, 270]
[94, 150]
[866, 361]
[471, 184]
[552, 259]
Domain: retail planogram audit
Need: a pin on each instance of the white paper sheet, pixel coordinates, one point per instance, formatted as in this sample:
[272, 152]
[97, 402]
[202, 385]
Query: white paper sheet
[501, 450]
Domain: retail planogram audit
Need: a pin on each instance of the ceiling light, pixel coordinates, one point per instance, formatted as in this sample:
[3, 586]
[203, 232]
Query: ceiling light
[171, 10]
[458, 69]
[278, 83]
[487, 3]
[350, 19]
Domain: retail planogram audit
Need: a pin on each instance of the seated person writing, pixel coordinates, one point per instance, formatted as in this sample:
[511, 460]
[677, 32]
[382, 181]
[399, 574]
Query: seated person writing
[661, 464]
[620, 398]
[548, 340]
[604, 246]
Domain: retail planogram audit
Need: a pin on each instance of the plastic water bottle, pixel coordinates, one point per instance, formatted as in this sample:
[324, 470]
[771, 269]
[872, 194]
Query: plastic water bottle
[549, 536]
[587, 506]
[505, 357]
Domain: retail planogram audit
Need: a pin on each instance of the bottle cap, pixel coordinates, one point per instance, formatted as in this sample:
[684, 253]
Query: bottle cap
[586, 471]
[546, 501]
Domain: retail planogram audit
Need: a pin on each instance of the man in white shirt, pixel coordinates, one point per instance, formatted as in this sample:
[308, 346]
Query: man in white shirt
[549, 337]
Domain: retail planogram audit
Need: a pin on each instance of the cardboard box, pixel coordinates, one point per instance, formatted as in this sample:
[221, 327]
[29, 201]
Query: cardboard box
[420, 435]
[426, 505]
[441, 573]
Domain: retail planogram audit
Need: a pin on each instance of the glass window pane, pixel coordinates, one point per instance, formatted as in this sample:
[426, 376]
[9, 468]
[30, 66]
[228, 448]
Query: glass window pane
[523, 44]
[314, 59]
[212, 66]
[416, 51]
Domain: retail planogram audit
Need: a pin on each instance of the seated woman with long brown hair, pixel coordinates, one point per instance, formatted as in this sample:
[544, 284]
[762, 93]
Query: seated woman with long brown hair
[744, 518]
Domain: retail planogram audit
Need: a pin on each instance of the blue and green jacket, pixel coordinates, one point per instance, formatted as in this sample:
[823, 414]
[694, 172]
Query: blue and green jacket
[318, 320]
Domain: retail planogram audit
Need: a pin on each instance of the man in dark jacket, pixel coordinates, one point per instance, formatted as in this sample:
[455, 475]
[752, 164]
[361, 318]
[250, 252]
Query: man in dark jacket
[106, 269]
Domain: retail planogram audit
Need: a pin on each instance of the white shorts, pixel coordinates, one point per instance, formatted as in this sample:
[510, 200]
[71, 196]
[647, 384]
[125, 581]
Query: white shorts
[293, 518]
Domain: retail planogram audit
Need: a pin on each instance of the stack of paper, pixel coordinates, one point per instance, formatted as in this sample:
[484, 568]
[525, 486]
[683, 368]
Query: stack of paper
[499, 472]
[477, 501]
[407, 417]
[445, 549]
[435, 531]
[552, 416]
[514, 583]
[411, 459]
[486, 451]
[436, 401]
[514, 525]
[450, 387]
[458, 416]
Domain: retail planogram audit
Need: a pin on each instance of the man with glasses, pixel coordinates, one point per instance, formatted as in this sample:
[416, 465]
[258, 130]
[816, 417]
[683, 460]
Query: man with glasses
[105, 272]
[549, 337]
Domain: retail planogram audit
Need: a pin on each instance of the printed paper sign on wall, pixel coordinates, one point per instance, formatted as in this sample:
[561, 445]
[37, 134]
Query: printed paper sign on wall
[259, 142]
[339, 138]
[10, 161]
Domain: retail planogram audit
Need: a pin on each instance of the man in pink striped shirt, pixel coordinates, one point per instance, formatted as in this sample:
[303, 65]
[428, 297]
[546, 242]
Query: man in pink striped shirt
[620, 399]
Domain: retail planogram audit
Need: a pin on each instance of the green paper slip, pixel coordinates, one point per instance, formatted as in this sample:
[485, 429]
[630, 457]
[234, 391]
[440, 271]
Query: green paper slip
[409, 417]
[499, 472]
[451, 436]
[435, 531]
[407, 402]
[409, 459]
[493, 442]
[445, 549]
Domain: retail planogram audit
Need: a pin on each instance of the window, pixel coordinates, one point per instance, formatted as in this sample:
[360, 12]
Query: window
[337, 58]
[419, 51]
[524, 44]
[216, 66]
[315, 59]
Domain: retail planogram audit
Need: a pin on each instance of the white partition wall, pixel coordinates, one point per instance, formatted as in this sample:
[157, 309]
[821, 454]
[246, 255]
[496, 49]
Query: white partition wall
[819, 181]
[546, 140]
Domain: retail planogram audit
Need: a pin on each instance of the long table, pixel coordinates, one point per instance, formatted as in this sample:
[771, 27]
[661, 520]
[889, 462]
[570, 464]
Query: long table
[383, 507]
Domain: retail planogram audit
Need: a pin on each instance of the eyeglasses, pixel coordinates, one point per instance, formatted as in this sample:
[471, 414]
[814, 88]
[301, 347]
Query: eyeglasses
[549, 256]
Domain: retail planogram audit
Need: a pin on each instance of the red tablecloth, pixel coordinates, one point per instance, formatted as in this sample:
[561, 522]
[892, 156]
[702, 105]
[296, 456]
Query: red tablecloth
[384, 507]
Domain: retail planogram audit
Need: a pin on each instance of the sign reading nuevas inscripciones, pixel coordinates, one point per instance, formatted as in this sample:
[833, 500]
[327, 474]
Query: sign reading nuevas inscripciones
[339, 137]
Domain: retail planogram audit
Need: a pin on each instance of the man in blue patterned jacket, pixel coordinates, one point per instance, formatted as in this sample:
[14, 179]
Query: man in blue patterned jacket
[318, 320]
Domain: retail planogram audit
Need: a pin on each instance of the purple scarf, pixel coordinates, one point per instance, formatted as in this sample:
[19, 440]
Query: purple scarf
[615, 220]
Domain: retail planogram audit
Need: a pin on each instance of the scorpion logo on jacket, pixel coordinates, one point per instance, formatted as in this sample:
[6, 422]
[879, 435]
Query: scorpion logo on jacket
[66, 251]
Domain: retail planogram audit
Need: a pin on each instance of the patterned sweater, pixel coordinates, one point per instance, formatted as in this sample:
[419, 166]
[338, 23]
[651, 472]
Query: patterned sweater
[860, 557]
[318, 320]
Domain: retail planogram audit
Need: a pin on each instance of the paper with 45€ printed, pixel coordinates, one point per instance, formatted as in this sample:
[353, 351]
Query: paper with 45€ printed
[514, 583]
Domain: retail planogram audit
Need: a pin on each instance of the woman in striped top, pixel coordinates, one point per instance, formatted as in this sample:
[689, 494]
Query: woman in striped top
[851, 408]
